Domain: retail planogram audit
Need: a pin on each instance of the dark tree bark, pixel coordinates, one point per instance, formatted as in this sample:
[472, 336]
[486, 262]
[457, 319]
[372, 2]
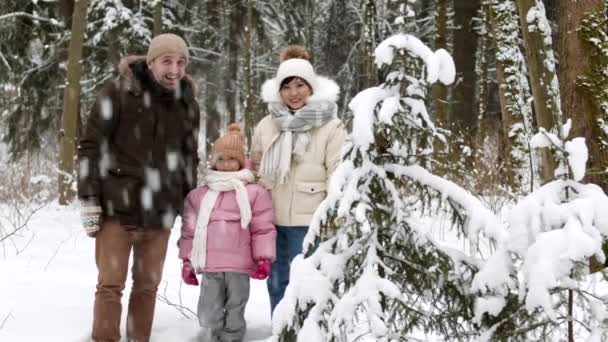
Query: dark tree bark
[440, 91]
[463, 114]
[576, 102]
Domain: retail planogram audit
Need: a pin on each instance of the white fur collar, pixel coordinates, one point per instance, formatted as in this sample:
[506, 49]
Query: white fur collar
[325, 89]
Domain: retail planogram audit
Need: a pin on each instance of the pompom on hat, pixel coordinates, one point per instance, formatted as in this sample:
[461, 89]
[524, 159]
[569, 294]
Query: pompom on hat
[230, 145]
[295, 62]
[167, 43]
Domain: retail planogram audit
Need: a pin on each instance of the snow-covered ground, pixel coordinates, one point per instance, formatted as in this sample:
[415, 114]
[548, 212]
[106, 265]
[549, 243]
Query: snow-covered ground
[47, 285]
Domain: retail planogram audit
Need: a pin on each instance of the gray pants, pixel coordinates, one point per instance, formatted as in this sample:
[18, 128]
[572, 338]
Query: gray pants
[221, 306]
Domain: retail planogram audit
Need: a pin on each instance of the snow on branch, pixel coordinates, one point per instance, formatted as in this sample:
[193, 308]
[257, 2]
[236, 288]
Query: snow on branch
[51, 21]
[478, 217]
[439, 64]
[385, 52]
[363, 105]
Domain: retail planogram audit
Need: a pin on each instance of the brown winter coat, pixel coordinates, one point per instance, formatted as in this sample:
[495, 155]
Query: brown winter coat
[138, 154]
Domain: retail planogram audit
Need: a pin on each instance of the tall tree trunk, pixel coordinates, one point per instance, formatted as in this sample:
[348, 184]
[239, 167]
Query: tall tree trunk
[514, 92]
[158, 18]
[577, 102]
[482, 72]
[71, 105]
[542, 76]
[369, 42]
[248, 110]
[463, 114]
[232, 22]
[440, 91]
[67, 9]
[213, 81]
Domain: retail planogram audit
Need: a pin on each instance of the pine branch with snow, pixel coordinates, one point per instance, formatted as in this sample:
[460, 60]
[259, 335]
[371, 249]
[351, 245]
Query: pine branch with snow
[553, 233]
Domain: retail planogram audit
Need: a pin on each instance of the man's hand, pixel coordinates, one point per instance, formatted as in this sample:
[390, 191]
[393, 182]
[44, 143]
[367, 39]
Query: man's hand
[90, 215]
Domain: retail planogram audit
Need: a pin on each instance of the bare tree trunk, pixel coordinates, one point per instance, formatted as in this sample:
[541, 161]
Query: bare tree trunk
[542, 78]
[158, 18]
[440, 91]
[482, 72]
[71, 105]
[67, 9]
[213, 81]
[230, 40]
[513, 90]
[248, 110]
[369, 42]
[576, 101]
[465, 46]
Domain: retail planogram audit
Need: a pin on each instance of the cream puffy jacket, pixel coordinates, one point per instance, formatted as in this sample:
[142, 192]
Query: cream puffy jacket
[297, 199]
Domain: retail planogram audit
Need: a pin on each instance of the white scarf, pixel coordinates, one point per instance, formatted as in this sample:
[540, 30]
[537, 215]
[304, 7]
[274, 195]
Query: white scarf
[219, 181]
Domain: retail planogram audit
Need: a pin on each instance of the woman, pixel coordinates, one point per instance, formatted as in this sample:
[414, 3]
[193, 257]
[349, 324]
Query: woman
[295, 149]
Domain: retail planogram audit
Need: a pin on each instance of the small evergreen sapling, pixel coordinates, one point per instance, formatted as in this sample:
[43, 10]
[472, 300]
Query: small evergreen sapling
[379, 272]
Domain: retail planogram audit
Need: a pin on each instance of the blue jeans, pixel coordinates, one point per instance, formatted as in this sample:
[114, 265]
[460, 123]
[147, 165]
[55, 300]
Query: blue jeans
[289, 244]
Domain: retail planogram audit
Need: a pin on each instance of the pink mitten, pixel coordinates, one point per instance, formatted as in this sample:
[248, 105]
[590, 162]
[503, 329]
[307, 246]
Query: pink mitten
[188, 274]
[262, 271]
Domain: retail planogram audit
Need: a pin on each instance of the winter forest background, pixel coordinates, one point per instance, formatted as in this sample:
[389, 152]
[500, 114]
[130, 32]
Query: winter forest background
[470, 203]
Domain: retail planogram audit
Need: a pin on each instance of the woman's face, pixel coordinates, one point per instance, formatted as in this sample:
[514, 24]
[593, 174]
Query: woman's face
[295, 92]
[227, 164]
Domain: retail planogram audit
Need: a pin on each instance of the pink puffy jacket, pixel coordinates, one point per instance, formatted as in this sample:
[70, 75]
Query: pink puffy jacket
[231, 248]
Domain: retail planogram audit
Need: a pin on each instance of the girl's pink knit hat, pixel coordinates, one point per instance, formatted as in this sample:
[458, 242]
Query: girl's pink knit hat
[230, 145]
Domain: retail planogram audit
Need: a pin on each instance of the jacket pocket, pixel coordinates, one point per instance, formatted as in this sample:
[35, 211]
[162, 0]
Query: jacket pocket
[121, 192]
[308, 196]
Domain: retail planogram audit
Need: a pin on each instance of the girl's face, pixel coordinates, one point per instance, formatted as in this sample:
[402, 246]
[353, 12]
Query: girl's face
[223, 163]
[295, 92]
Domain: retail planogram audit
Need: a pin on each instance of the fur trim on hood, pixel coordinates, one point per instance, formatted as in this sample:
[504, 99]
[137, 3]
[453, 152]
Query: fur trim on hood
[323, 89]
[133, 84]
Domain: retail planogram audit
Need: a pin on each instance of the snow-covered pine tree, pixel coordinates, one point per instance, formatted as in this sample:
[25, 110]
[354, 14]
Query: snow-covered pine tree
[115, 30]
[381, 274]
[545, 261]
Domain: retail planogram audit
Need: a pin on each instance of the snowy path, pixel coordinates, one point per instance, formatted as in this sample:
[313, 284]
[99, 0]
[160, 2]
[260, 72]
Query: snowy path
[47, 284]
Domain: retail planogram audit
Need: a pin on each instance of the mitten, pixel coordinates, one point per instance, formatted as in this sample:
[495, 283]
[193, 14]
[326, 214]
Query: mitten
[188, 274]
[90, 216]
[262, 271]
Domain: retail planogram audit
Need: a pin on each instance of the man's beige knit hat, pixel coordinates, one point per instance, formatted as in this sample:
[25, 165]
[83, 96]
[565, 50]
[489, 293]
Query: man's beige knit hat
[167, 43]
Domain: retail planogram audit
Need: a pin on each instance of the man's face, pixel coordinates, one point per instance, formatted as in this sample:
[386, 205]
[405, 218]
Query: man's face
[168, 69]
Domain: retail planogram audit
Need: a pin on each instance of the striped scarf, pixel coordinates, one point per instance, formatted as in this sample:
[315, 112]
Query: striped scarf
[294, 135]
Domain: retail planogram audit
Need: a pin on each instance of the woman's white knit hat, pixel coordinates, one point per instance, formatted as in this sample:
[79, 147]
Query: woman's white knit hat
[297, 67]
[295, 63]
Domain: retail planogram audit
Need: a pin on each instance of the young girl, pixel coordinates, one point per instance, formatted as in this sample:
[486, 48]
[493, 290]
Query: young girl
[228, 235]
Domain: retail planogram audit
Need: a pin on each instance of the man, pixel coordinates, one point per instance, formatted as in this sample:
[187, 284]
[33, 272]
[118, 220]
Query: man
[138, 160]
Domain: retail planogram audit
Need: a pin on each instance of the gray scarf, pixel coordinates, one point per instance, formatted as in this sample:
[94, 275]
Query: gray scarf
[294, 135]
